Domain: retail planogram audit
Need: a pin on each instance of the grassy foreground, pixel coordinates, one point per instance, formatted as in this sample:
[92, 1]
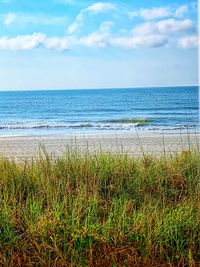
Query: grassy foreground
[100, 210]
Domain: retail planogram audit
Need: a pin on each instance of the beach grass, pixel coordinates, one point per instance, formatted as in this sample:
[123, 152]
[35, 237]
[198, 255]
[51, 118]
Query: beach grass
[100, 210]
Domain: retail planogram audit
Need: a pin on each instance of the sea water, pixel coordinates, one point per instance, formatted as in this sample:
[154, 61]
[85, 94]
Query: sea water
[99, 111]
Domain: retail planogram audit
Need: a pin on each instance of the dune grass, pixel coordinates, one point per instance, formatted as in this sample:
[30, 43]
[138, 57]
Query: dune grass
[100, 210]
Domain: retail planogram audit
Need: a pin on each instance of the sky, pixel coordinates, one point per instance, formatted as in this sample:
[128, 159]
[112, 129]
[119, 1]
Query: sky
[69, 44]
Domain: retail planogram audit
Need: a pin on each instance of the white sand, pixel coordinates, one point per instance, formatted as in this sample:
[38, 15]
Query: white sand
[25, 147]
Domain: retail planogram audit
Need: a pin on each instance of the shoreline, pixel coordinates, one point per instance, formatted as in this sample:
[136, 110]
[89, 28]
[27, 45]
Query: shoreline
[26, 147]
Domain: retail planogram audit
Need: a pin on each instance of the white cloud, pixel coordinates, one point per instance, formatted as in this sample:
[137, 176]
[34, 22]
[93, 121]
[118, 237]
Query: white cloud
[145, 28]
[58, 43]
[181, 11]
[148, 34]
[94, 9]
[103, 38]
[76, 24]
[22, 42]
[148, 41]
[188, 41]
[37, 40]
[155, 13]
[172, 25]
[100, 7]
[100, 38]
[159, 12]
[9, 19]
[151, 13]
[153, 34]
[167, 26]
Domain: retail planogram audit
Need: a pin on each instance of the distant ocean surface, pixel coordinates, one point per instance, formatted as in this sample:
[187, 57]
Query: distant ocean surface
[174, 109]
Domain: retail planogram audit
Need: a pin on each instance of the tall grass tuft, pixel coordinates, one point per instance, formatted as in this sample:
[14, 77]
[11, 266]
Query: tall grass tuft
[100, 210]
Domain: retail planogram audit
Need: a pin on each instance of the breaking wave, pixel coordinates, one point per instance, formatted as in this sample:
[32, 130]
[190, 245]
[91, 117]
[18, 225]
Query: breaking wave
[121, 124]
[93, 125]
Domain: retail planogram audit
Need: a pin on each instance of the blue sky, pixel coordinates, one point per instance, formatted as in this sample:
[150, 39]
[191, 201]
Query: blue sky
[66, 44]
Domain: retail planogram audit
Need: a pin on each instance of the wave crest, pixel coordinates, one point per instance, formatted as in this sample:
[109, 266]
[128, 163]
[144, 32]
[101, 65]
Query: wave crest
[94, 125]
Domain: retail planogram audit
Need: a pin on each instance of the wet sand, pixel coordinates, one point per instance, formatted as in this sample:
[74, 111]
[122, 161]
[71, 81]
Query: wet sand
[26, 147]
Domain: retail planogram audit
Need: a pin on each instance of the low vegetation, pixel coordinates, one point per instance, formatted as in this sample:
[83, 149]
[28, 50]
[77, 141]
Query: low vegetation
[100, 210]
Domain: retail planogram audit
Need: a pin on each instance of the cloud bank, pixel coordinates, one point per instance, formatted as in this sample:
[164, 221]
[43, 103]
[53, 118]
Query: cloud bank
[158, 27]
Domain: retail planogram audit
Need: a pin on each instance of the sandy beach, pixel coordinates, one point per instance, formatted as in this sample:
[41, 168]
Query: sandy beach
[25, 147]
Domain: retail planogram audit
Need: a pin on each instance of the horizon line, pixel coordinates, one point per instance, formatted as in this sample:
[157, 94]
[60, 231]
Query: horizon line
[98, 88]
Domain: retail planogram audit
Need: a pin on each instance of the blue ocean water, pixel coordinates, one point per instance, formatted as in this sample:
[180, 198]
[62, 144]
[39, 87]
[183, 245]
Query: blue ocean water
[98, 111]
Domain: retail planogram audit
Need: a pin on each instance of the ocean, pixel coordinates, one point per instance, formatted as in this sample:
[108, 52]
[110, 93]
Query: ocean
[168, 110]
